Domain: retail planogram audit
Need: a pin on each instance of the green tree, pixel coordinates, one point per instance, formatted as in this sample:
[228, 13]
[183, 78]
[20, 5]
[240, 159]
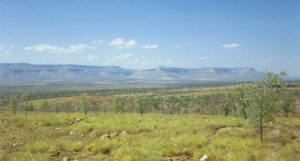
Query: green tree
[232, 98]
[30, 108]
[84, 103]
[119, 104]
[14, 105]
[227, 107]
[287, 103]
[58, 106]
[264, 97]
[141, 104]
[171, 104]
[242, 98]
[27, 96]
[45, 106]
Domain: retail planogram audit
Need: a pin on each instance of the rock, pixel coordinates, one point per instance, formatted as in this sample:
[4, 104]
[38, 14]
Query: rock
[123, 133]
[203, 158]
[78, 119]
[105, 136]
[114, 134]
[15, 145]
[66, 159]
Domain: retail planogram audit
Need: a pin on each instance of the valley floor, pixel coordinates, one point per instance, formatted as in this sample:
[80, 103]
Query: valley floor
[134, 137]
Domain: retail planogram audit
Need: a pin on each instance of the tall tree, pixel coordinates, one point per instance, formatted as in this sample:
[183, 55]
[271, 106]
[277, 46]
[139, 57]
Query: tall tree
[264, 97]
[84, 103]
[226, 108]
[45, 106]
[119, 104]
[26, 97]
[14, 105]
[242, 98]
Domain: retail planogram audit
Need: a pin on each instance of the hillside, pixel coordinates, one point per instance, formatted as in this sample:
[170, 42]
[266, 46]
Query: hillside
[78, 73]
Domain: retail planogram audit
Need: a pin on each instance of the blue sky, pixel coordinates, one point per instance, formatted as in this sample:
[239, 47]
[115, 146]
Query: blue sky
[263, 34]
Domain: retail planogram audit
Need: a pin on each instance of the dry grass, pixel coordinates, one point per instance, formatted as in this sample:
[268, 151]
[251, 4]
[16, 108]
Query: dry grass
[133, 137]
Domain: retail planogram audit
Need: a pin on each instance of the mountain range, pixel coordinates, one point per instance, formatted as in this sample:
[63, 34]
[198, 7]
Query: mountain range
[23, 72]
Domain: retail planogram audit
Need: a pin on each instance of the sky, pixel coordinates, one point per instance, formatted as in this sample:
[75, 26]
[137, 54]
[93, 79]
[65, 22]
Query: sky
[142, 34]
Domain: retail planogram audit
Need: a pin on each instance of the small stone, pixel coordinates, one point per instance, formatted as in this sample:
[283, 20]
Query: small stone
[66, 159]
[124, 132]
[78, 119]
[203, 158]
[114, 134]
[105, 136]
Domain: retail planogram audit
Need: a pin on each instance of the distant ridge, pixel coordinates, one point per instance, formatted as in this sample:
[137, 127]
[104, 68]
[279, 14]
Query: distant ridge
[23, 72]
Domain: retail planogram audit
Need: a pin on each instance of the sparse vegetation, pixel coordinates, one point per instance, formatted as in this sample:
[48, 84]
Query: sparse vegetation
[165, 124]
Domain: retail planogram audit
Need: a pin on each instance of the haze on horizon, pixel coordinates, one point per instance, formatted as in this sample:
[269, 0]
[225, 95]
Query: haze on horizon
[146, 34]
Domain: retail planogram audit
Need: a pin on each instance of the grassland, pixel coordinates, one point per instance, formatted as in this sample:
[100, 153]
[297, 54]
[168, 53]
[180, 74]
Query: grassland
[134, 137]
[129, 136]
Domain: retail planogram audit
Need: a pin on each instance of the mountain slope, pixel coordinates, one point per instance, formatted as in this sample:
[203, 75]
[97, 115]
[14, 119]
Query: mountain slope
[208, 74]
[77, 73]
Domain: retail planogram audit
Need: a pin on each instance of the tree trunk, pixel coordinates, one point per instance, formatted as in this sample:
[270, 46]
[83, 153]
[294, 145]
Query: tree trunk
[233, 107]
[261, 124]
[261, 130]
[244, 111]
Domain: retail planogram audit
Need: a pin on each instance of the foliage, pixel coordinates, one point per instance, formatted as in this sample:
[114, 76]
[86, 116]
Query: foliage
[265, 97]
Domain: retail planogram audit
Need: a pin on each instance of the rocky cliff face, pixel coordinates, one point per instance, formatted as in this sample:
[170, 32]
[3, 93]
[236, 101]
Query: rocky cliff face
[79, 73]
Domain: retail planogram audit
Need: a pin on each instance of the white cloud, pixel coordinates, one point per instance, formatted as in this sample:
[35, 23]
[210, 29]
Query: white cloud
[120, 43]
[130, 43]
[233, 45]
[92, 57]
[269, 60]
[117, 42]
[97, 41]
[60, 50]
[150, 46]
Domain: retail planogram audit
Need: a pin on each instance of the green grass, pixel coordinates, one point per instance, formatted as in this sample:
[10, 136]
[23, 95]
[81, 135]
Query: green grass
[134, 137]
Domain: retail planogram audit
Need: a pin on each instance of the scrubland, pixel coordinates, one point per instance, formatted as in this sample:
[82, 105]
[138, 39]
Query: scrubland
[182, 124]
[135, 137]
